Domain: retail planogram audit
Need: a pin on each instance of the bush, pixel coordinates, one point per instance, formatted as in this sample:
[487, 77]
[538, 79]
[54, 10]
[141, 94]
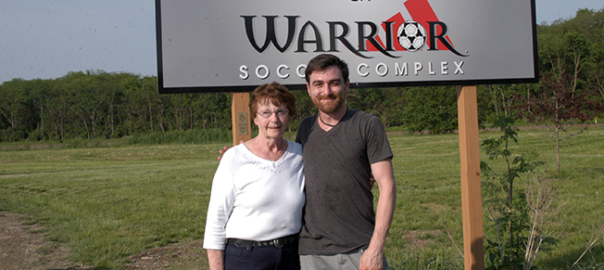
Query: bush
[430, 108]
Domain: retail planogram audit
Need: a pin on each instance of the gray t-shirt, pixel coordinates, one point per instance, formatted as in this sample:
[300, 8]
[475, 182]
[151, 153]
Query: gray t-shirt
[339, 215]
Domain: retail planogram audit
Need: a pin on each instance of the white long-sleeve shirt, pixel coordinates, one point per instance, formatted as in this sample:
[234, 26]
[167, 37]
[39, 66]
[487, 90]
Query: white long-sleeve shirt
[255, 199]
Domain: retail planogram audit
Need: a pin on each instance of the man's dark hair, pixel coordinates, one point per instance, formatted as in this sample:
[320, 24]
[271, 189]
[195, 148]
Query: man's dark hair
[323, 61]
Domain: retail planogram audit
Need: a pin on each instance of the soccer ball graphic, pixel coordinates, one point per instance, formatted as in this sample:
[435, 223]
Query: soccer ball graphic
[411, 35]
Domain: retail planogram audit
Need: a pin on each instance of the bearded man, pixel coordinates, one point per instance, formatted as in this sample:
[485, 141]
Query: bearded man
[343, 149]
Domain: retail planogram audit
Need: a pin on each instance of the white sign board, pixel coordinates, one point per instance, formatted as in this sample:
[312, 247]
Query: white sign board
[234, 45]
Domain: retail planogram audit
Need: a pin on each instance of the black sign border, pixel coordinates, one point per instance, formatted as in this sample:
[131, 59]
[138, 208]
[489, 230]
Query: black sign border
[249, 88]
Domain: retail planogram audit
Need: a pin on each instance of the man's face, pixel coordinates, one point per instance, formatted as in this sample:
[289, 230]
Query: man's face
[327, 89]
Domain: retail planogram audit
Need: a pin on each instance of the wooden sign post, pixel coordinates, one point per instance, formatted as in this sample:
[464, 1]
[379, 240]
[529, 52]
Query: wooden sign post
[471, 198]
[240, 116]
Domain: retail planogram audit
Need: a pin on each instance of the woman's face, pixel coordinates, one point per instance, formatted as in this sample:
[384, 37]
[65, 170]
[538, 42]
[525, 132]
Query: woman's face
[271, 120]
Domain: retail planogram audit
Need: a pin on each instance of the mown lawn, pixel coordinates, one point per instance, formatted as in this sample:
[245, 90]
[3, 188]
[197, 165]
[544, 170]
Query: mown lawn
[106, 203]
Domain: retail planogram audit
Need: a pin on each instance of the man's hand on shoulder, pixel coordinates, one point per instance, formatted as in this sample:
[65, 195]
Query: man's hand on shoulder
[223, 150]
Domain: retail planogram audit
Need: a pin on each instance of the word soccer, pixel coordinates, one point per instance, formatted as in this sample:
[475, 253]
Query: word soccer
[364, 70]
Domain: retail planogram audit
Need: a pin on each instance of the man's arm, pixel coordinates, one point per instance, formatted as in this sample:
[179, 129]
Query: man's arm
[216, 259]
[384, 177]
[223, 150]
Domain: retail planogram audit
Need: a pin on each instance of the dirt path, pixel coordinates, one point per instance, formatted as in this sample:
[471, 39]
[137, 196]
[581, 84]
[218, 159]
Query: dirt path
[22, 247]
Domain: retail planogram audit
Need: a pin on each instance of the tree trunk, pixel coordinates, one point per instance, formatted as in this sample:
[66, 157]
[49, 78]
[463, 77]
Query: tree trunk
[161, 120]
[62, 125]
[503, 101]
[150, 113]
[190, 117]
[557, 150]
[42, 121]
[494, 100]
[86, 126]
[111, 113]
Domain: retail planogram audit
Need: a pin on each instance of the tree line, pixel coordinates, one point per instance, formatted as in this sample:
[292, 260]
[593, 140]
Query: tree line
[103, 105]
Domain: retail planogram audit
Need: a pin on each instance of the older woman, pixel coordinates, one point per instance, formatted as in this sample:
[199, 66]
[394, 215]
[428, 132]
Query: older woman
[255, 209]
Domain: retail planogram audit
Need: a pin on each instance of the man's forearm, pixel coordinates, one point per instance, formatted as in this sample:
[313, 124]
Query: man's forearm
[384, 213]
[384, 177]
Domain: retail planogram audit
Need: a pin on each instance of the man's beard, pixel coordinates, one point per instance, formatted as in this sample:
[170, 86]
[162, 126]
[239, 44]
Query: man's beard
[330, 107]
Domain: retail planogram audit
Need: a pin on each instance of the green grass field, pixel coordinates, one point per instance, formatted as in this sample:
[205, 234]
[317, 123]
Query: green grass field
[106, 203]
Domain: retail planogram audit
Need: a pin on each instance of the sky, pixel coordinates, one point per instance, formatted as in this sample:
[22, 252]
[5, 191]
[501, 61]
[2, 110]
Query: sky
[46, 39]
